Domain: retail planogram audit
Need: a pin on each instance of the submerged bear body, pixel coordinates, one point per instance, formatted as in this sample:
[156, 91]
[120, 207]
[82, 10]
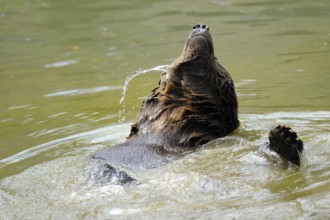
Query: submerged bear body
[195, 102]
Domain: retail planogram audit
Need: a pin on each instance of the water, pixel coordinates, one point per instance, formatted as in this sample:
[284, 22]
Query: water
[162, 68]
[62, 76]
[139, 73]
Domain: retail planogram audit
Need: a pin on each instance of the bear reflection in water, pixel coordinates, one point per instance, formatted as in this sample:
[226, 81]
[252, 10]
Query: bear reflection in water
[195, 102]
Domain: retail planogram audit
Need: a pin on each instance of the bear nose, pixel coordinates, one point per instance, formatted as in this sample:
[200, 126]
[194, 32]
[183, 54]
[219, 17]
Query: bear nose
[201, 27]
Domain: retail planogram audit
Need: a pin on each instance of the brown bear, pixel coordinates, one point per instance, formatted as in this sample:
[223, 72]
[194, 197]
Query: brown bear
[195, 102]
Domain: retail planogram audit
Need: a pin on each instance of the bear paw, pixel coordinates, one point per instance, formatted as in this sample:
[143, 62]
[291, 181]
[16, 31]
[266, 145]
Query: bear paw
[286, 143]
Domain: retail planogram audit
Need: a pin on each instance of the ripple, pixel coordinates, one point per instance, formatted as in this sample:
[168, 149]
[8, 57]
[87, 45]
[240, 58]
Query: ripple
[230, 173]
[19, 107]
[61, 64]
[112, 133]
[74, 92]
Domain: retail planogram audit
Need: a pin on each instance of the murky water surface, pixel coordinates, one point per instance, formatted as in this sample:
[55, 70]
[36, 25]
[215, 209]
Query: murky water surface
[63, 66]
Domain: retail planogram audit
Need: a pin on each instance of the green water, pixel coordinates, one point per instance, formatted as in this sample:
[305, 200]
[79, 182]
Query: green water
[63, 65]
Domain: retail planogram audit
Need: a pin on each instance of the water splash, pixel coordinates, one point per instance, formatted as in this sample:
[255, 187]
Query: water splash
[162, 68]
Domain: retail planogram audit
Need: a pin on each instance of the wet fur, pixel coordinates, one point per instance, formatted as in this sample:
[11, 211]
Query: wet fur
[195, 102]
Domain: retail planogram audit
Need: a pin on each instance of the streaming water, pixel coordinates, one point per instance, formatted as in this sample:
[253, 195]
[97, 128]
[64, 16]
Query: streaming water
[67, 91]
[162, 68]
